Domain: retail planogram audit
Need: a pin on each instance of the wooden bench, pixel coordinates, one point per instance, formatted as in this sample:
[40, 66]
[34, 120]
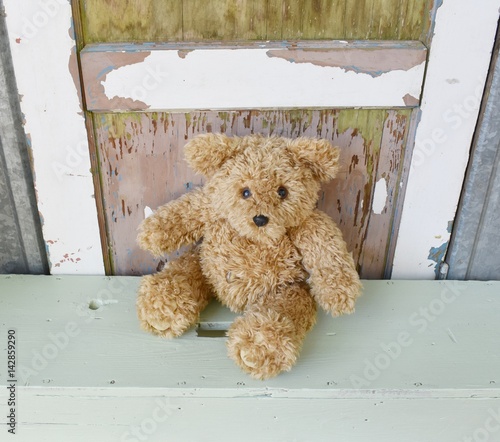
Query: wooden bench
[419, 361]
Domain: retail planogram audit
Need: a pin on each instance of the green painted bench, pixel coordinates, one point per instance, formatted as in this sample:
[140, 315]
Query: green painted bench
[419, 361]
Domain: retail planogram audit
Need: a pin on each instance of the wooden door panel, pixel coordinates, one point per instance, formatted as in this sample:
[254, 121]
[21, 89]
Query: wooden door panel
[324, 74]
[151, 67]
[213, 20]
[142, 167]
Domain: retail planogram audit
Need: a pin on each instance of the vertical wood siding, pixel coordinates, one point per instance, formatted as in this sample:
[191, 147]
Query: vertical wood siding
[142, 167]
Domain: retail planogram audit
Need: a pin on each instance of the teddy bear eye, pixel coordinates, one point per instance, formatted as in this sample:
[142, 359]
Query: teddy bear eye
[245, 193]
[282, 192]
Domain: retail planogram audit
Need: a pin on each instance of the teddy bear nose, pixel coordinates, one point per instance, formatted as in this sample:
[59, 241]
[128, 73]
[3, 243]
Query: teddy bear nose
[260, 220]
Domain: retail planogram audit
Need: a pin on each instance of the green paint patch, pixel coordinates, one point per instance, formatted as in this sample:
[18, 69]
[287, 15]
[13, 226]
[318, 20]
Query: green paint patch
[368, 123]
[118, 124]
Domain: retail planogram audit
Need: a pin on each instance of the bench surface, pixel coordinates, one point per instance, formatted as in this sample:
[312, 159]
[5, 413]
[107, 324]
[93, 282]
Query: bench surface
[418, 361]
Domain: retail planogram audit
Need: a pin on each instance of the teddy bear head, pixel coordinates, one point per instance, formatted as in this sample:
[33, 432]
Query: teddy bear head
[262, 186]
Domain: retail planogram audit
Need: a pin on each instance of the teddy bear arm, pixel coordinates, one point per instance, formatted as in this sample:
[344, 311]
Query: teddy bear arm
[173, 225]
[333, 279]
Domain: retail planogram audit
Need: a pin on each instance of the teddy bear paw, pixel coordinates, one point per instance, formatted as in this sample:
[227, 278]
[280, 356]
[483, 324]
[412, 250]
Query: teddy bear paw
[162, 312]
[342, 305]
[263, 345]
[337, 301]
[151, 236]
[159, 325]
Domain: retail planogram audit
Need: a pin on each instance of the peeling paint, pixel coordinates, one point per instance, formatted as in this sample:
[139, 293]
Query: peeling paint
[155, 171]
[67, 258]
[132, 77]
[363, 124]
[411, 101]
[183, 53]
[95, 69]
[379, 196]
[374, 61]
[75, 75]
[437, 254]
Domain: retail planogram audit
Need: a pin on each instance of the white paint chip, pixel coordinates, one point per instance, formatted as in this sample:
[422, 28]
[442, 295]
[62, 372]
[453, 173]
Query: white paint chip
[147, 212]
[379, 196]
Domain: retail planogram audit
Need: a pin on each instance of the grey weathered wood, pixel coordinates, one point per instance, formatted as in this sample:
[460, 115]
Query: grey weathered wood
[109, 377]
[21, 245]
[473, 252]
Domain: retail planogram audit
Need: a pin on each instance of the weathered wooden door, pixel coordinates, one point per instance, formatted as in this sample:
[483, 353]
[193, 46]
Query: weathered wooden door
[156, 73]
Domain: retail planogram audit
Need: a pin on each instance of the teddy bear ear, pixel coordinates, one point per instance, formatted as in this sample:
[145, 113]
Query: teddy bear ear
[317, 154]
[206, 153]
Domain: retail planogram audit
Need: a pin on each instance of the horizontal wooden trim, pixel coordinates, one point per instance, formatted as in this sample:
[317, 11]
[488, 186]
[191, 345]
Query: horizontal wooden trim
[137, 77]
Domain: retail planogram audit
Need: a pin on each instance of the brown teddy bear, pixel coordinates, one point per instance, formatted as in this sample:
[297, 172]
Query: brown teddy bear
[261, 248]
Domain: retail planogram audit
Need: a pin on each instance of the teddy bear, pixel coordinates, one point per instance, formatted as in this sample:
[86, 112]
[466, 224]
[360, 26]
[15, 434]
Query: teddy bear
[258, 244]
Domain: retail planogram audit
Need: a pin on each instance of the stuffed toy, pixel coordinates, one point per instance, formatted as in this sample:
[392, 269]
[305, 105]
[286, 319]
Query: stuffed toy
[260, 247]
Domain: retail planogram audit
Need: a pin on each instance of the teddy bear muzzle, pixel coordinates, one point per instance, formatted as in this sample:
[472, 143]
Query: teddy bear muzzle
[260, 220]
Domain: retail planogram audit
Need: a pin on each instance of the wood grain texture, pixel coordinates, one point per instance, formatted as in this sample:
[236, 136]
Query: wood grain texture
[195, 20]
[131, 20]
[317, 19]
[414, 17]
[224, 20]
[106, 376]
[386, 19]
[142, 166]
[387, 175]
[274, 20]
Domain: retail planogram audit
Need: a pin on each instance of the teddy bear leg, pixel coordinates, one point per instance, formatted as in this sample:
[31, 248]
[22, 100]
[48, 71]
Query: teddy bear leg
[267, 339]
[169, 302]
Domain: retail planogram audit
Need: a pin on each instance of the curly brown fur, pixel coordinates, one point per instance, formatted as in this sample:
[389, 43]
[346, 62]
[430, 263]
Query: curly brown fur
[267, 338]
[177, 223]
[170, 301]
[265, 250]
[333, 279]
